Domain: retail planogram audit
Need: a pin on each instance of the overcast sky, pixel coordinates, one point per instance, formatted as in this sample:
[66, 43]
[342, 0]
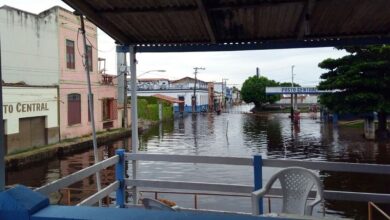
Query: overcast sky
[235, 66]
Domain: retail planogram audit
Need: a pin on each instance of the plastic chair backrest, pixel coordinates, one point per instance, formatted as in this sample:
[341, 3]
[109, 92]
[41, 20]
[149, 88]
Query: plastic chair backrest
[296, 184]
[155, 205]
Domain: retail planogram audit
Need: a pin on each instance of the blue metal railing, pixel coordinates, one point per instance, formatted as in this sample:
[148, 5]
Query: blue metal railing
[256, 162]
[258, 177]
[120, 177]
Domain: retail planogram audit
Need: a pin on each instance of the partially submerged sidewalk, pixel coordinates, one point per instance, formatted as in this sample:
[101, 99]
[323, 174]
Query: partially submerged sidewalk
[67, 147]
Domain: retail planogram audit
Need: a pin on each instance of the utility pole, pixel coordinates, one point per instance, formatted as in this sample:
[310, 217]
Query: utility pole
[257, 72]
[134, 117]
[90, 104]
[292, 98]
[194, 96]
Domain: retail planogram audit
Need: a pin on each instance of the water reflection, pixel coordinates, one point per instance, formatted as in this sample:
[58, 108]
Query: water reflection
[272, 135]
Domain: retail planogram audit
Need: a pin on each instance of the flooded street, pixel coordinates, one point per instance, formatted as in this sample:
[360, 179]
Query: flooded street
[234, 134]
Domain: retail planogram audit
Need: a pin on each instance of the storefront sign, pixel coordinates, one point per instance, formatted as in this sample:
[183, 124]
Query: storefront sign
[293, 90]
[24, 107]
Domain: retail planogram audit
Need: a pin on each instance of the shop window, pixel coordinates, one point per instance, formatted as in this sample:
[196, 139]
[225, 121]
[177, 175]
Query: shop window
[74, 109]
[70, 56]
[109, 109]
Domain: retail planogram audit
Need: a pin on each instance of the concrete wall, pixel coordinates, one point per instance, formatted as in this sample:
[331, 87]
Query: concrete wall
[312, 99]
[74, 80]
[29, 47]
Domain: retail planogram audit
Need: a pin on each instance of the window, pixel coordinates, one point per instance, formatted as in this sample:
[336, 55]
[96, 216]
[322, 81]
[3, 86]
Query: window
[74, 109]
[89, 56]
[70, 60]
[109, 109]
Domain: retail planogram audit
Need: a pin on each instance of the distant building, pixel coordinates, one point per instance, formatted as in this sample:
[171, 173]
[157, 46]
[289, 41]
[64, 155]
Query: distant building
[153, 83]
[189, 83]
[42, 65]
[182, 89]
[236, 96]
[223, 93]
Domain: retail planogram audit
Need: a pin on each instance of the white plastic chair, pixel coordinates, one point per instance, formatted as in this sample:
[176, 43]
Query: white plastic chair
[155, 205]
[296, 183]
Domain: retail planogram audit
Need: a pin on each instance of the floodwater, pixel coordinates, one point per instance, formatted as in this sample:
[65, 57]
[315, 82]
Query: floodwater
[232, 134]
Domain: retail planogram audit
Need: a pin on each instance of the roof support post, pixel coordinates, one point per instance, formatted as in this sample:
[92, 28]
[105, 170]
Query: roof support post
[122, 84]
[2, 148]
[134, 115]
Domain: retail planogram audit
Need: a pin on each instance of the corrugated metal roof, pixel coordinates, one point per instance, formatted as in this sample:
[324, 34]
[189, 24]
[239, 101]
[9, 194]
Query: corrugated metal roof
[168, 98]
[219, 22]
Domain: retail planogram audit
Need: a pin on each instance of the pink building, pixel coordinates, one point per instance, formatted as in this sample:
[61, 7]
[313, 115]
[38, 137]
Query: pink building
[73, 92]
[46, 98]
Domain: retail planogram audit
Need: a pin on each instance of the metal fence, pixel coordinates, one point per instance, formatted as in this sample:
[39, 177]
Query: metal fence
[121, 183]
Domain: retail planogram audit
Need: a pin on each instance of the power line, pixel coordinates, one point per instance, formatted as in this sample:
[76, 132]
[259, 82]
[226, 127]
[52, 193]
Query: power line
[102, 51]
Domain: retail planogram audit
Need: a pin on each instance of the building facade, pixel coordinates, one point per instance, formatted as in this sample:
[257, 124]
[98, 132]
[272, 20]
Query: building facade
[45, 82]
[182, 89]
[153, 84]
[30, 75]
[74, 111]
[30, 116]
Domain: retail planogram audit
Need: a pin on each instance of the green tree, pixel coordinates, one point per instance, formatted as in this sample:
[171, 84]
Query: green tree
[253, 90]
[288, 84]
[362, 79]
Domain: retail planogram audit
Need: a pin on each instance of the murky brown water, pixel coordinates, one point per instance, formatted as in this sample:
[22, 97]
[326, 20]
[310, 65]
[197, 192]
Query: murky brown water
[271, 135]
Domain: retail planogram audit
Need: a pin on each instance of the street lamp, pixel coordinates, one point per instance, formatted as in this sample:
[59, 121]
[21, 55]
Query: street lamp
[149, 71]
[292, 76]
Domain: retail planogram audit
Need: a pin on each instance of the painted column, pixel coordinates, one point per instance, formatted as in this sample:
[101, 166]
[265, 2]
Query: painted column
[295, 101]
[160, 111]
[335, 119]
[125, 117]
[134, 116]
[120, 176]
[258, 178]
[292, 108]
[369, 128]
[120, 57]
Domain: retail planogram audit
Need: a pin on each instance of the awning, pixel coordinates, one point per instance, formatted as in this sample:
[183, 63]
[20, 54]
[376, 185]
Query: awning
[217, 25]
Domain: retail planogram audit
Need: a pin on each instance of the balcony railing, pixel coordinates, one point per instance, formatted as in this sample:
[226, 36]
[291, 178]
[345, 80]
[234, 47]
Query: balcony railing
[107, 79]
[167, 87]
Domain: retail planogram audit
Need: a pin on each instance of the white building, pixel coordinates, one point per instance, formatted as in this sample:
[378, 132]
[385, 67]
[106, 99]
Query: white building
[30, 64]
[29, 47]
[182, 89]
[153, 83]
[30, 116]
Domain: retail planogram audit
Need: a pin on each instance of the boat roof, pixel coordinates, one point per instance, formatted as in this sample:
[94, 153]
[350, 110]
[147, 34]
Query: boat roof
[220, 25]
